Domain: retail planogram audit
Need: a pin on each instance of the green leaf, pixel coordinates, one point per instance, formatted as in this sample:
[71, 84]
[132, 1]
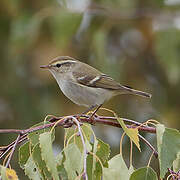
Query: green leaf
[69, 132]
[45, 141]
[34, 136]
[176, 163]
[131, 133]
[60, 158]
[145, 173]
[103, 152]
[89, 164]
[73, 162]
[24, 154]
[3, 173]
[41, 165]
[79, 143]
[117, 169]
[168, 141]
[87, 129]
[31, 169]
[71, 137]
[87, 134]
[160, 131]
[94, 160]
[62, 172]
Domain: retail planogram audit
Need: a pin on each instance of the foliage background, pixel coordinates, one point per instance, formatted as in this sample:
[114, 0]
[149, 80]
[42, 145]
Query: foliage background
[136, 42]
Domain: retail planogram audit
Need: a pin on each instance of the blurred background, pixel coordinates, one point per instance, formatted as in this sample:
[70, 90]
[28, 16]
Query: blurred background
[135, 42]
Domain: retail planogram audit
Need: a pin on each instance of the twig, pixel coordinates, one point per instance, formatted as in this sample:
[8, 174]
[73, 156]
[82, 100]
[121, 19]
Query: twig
[148, 143]
[10, 146]
[85, 177]
[12, 152]
[174, 175]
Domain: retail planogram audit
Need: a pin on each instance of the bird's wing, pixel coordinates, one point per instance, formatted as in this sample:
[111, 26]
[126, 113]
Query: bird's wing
[98, 80]
[95, 78]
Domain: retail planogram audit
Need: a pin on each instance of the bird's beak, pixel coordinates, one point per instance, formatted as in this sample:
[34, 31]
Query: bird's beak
[44, 66]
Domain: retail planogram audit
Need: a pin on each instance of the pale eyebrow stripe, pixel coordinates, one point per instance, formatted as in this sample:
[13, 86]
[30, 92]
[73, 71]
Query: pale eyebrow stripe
[67, 61]
[63, 62]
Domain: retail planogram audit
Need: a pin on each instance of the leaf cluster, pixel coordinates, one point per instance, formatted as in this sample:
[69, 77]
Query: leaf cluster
[37, 159]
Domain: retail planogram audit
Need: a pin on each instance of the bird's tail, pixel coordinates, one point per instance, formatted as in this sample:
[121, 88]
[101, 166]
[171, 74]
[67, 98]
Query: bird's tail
[129, 90]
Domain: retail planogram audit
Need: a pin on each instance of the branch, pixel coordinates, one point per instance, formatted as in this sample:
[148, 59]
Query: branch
[68, 121]
[108, 121]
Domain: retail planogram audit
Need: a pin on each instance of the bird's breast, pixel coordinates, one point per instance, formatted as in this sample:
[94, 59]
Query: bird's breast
[84, 95]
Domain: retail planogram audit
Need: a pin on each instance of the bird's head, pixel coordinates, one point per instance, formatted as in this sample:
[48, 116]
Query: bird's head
[60, 65]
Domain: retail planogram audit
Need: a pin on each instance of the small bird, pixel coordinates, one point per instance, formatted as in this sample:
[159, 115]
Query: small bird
[85, 85]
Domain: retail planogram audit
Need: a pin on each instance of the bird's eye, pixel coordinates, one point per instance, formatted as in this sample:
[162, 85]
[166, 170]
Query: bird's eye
[58, 65]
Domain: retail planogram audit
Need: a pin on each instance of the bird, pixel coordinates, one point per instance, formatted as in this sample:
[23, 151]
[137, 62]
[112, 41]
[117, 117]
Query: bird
[84, 85]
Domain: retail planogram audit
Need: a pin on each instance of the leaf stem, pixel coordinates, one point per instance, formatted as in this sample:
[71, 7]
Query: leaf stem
[85, 177]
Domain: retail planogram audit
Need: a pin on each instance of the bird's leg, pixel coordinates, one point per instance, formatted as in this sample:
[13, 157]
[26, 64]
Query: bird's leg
[89, 109]
[85, 112]
[95, 111]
